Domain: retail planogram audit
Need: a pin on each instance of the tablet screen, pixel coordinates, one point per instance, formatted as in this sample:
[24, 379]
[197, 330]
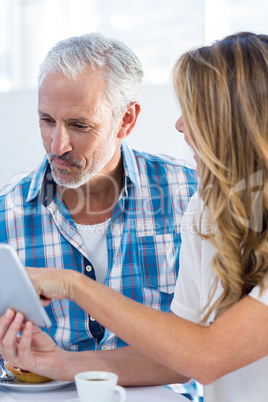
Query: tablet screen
[17, 290]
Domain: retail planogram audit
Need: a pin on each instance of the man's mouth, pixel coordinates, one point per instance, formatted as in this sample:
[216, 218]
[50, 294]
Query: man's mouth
[60, 164]
[63, 162]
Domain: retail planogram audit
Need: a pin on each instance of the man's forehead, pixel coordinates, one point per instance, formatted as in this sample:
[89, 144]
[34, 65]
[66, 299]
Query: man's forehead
[95, 74]
[60, 91]
[59, 83]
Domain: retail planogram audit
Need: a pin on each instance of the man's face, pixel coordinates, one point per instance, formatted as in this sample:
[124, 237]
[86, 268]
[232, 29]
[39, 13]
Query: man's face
[76, 124]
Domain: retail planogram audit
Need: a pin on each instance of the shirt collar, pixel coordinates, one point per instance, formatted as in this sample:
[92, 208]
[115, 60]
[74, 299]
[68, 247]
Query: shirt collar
[43, 185]
[130, 164]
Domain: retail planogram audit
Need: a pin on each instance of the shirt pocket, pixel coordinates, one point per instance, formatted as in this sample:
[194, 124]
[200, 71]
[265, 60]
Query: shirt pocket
[159, 261]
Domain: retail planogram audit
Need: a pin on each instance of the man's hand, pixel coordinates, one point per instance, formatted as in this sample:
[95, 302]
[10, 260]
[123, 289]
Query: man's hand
[34, 350]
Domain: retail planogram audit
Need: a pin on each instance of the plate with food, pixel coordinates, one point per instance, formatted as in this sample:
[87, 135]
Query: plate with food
[27, 381]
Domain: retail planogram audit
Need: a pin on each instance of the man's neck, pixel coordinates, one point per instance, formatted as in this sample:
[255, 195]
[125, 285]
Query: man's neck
[95, 201]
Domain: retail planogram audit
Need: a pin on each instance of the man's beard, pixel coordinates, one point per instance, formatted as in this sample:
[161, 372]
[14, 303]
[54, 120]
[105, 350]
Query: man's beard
[104, 155]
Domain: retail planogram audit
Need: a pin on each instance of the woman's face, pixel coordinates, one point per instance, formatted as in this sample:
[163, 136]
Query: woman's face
[181, 128]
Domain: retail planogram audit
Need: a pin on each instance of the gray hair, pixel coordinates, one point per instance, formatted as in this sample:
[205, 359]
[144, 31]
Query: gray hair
[113, 60]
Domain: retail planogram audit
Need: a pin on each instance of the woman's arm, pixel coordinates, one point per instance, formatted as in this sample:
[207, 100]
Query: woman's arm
[239, 337]
[132, 366]
[37, 352]
[236, 339]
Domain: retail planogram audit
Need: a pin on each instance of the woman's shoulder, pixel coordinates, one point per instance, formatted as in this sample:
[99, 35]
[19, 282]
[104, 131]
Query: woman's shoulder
[196, 211]
[261, 295]
[194, 207]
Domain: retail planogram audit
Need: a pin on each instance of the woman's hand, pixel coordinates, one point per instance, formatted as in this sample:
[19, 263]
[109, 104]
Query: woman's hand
[52, 283]
[34, 350]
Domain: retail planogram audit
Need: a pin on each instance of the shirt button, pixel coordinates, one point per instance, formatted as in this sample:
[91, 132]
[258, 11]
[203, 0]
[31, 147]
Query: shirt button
[92, 319]
[88, 268]
[104, 347]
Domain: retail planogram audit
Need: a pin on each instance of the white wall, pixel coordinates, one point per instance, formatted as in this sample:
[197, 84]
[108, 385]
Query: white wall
[22, 148]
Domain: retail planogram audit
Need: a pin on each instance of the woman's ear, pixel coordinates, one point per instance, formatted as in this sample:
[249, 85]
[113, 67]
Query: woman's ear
[128, 120]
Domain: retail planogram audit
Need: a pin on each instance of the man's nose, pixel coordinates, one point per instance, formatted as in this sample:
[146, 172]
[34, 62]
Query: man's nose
[61, 141]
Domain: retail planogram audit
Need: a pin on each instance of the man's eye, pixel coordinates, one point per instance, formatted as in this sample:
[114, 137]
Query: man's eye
[46, 120]
[80, 126]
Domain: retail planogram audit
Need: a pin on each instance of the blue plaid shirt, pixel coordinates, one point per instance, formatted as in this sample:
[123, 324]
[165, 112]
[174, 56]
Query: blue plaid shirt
[143, 239]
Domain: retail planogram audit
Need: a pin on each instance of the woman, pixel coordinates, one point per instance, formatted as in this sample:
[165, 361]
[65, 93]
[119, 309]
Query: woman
[218, 331]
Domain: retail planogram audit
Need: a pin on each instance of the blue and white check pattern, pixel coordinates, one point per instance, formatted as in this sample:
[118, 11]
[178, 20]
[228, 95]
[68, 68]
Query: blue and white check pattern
[143, 239]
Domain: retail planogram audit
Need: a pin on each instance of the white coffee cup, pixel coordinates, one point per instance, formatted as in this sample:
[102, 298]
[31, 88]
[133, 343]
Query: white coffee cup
[98, 386]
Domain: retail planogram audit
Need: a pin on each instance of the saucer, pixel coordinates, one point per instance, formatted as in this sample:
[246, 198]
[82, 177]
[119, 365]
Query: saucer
[17, 385]
[77, 400]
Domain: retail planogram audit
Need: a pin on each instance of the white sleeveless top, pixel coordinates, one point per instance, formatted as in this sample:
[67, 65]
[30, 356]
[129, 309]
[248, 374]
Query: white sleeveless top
[248, 384]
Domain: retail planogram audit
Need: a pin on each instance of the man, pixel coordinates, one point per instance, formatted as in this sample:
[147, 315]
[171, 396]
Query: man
[94, 205]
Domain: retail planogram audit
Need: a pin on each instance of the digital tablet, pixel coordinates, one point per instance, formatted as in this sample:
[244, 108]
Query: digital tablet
[17, 290]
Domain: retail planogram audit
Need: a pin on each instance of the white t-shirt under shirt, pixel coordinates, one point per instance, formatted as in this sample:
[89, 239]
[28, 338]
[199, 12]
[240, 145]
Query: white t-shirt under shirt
[95, 242]
[191, 294]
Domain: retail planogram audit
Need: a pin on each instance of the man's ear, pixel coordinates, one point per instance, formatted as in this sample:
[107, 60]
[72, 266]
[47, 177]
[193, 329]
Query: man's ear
[128, 120]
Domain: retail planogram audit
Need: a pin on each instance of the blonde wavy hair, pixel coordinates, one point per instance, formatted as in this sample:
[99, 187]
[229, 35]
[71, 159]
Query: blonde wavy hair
[223, 93]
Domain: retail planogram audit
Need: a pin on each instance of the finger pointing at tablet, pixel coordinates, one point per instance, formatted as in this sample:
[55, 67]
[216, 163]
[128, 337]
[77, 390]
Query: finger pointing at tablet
[51, 283]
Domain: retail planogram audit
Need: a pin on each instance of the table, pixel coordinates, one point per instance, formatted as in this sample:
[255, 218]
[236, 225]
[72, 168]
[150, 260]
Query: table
[137, 394]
